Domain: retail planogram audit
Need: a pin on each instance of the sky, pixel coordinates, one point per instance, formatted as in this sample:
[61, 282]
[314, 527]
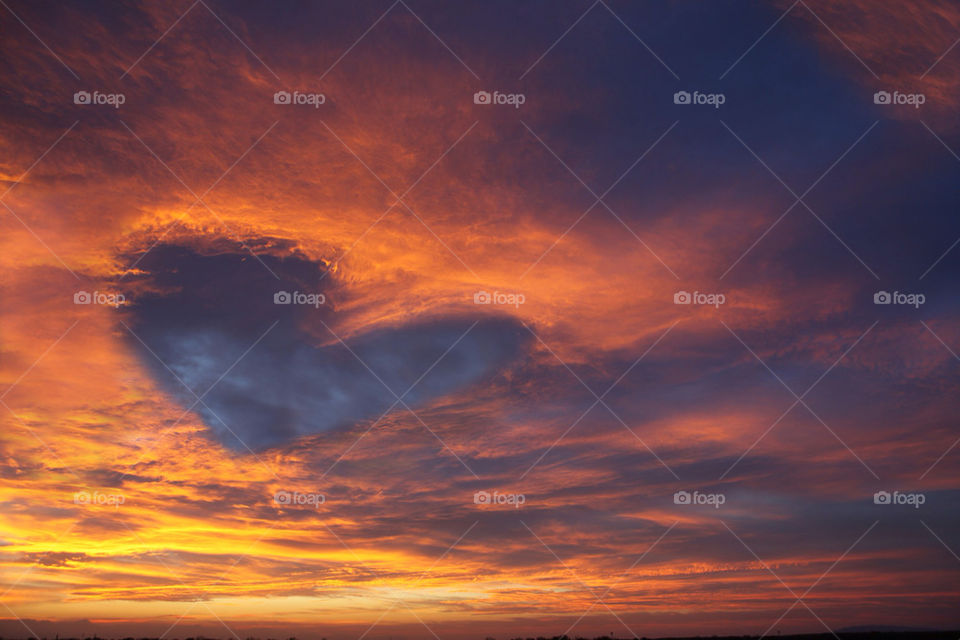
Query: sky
[478, 319]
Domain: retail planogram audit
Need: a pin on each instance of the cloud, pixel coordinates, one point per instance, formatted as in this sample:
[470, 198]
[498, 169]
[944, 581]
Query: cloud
[498, 212]
[210, 327]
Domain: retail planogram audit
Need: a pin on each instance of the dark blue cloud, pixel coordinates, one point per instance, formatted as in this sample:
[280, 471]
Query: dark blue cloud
[200, 311]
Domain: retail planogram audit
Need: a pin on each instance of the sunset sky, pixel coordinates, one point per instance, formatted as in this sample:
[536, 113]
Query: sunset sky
[425, 319]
